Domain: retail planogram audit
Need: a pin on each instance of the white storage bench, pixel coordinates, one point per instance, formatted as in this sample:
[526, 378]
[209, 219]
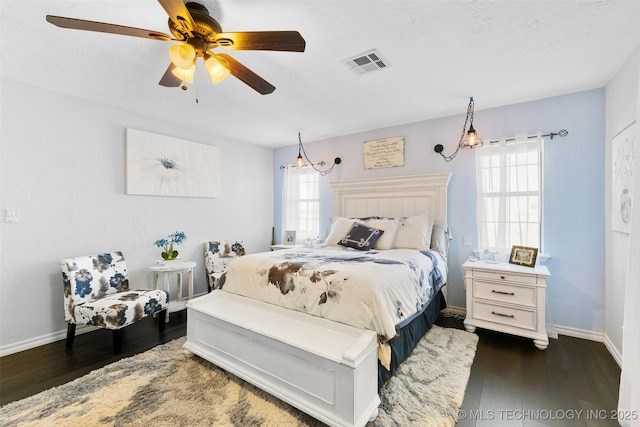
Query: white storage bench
[328, 370]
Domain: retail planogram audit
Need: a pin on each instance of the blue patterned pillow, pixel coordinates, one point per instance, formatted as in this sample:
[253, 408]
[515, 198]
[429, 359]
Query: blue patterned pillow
[361, 237]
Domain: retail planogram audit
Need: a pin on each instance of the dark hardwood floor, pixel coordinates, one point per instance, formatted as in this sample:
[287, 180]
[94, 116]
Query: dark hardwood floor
[572, 382]
[32, 371]
[512, 383]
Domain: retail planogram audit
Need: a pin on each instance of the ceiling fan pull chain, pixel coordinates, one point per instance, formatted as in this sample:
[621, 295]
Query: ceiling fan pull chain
[195, 81]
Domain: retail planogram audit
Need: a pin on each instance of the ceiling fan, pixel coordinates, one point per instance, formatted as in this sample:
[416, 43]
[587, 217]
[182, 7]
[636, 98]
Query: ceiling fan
[191, 24]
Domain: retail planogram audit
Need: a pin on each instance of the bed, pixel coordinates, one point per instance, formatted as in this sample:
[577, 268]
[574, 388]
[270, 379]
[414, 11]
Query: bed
[318, 327]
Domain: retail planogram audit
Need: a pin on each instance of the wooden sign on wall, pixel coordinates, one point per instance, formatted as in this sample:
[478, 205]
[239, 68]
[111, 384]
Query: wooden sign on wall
[383, 153]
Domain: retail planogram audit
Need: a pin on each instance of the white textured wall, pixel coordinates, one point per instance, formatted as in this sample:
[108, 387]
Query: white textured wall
[63, 167]
[620, 112]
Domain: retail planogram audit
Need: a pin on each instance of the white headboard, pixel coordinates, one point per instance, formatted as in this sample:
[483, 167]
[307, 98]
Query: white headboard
[393, 197]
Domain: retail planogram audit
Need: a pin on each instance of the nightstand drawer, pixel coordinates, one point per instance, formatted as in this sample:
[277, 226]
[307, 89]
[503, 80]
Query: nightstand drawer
[505, 276]
[521, 295]
[519, 318]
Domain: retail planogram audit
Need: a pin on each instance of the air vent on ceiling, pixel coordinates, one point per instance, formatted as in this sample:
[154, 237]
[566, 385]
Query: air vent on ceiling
[367, 62]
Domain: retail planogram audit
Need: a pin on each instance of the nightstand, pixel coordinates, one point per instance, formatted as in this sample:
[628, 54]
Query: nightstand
[507, 298]
[178, 268]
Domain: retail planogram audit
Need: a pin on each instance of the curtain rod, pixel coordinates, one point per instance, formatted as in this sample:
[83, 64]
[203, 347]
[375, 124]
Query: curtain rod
[322, 163]
[562, 133]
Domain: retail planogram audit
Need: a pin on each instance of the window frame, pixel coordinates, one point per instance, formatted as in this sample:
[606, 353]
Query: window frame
[301, 202]
[503, 240]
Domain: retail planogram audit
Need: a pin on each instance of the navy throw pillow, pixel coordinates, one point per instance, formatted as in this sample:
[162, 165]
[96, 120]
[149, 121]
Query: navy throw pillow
[361, 237]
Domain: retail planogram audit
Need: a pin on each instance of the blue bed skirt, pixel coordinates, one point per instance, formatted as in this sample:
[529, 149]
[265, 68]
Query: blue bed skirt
[409, 335]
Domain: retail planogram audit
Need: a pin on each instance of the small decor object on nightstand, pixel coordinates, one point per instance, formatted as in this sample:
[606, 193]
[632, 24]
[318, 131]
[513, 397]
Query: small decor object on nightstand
[170, 254]
[290, 237]
[522, 255]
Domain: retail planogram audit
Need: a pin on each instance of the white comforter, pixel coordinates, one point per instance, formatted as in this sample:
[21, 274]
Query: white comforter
[374, 290]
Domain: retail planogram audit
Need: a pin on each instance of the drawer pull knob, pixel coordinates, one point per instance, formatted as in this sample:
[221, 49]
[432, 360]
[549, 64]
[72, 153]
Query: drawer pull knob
[502, 277]
[502, 292]
[504, 315]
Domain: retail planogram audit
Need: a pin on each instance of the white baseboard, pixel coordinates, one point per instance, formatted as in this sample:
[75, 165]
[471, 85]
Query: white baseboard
[617, 355]
[49, 338]
[460, 312]
[579, 333]
[42, 340]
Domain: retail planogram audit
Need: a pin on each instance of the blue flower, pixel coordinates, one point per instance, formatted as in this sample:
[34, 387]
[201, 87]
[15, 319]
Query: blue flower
[179, 237]
[102, 262]
[152, 306]
[118, 281]
[83, 283]
[160, 243]
[168, 163]
[172, 239]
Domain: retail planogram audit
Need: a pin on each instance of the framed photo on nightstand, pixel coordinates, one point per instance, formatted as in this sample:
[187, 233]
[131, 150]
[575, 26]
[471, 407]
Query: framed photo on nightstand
[289, 237]
[522, 255]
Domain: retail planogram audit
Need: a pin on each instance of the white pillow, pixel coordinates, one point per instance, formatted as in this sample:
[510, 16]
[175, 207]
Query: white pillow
[440, 238]
[414, 232]
[389, 226]
[339, 227]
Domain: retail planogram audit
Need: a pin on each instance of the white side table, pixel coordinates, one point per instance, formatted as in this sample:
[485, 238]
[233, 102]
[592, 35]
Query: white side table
[178, 268]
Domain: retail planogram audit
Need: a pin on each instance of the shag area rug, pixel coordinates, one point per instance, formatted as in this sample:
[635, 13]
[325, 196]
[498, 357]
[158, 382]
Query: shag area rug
[168, 386]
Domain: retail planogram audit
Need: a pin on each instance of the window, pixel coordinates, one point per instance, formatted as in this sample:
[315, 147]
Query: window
[301, 202]
[509, 194]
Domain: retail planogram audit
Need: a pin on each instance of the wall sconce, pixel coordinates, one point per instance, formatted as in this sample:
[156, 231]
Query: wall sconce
[468, 139]
[302, 156]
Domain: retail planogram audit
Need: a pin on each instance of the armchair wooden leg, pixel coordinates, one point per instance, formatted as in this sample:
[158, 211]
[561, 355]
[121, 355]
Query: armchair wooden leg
[117, 341]
[71, 334]
[162, 320]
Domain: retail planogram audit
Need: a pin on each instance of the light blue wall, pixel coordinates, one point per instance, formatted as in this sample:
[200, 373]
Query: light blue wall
[574, 226]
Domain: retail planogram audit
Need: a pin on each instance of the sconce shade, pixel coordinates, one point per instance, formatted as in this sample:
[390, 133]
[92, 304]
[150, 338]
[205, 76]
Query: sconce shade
[471, 139]
[216, 70]
[182, 55]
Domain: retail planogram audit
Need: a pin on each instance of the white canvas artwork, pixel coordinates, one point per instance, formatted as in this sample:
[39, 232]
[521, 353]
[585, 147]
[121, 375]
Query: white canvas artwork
[164, 166]
[623, 154]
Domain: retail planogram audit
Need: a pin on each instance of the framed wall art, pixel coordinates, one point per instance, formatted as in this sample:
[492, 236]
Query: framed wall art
[623, 158]
[160, 165]
[522, 255]
[383, 153]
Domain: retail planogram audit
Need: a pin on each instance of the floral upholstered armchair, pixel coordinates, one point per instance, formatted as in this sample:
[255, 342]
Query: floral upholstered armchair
[217, 256]
[96, 293]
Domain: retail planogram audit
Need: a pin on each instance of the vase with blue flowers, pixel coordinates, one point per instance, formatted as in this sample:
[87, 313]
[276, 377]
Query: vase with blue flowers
[169, 253]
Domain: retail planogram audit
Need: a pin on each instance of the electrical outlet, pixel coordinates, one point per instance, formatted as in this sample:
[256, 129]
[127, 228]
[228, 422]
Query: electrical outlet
[466, 240]
[13, 215]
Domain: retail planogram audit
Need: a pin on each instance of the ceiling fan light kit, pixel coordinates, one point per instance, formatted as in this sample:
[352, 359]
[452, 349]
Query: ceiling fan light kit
[217, 71]
[182, 55]
[199, 33]
[184, 75]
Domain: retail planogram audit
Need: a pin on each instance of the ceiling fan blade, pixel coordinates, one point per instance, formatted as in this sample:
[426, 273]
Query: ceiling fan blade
[247, 76]
[169, 79]
[289, 41]
[179, 14]
[101, 27]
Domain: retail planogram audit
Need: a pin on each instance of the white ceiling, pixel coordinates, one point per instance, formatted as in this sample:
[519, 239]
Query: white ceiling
[441, 52]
